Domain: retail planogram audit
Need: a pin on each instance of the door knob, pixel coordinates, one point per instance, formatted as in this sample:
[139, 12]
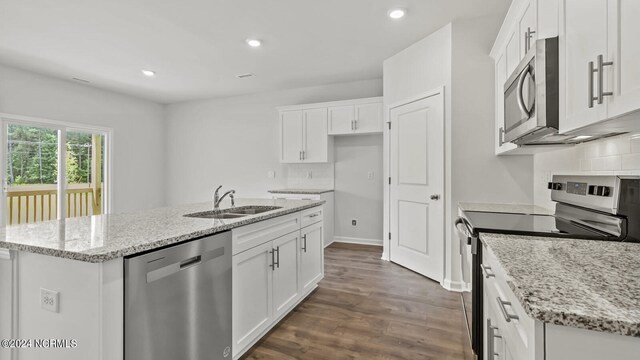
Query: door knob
[435, 197]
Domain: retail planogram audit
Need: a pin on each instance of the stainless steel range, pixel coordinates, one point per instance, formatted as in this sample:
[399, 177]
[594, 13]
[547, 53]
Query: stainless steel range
[605, 208]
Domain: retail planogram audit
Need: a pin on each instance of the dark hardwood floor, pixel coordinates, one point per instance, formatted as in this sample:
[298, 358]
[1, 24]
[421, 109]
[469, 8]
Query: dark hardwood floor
[366, 308]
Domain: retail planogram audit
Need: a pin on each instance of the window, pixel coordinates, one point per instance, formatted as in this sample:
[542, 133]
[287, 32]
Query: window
[34, 150]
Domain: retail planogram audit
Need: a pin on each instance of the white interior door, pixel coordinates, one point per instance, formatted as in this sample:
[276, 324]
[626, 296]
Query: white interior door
[417, 186]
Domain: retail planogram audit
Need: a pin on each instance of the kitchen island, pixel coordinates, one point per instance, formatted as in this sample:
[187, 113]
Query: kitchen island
[551, 298]
[81, 259]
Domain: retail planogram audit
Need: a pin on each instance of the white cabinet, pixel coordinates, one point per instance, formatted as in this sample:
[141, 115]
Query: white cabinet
[272, 272]
[303, 136]
[311, 261]
[252, 294]
[356, 118]
[286, 284]
[583, 36]
[527, 28]
[624, 52]
[599, 35]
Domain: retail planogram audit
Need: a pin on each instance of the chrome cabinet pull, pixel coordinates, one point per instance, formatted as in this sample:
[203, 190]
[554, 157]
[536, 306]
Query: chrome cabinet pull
[277, 257]
[303, 155]
[592, 70]
[487, 271]
[527, 38]
[507, 317]
[273, 260]
[601, 65]
[355, 124]
[304, 239]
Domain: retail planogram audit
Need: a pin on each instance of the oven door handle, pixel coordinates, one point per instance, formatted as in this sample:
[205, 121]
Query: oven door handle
[465, 232]
[520, 94]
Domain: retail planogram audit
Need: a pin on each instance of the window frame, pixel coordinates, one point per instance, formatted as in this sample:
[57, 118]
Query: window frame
[62, 127]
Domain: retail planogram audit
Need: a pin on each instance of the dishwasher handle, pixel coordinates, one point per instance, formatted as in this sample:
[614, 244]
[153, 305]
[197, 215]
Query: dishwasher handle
[178, 266]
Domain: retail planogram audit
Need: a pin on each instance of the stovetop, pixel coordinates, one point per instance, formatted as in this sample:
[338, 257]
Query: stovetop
[525, 224]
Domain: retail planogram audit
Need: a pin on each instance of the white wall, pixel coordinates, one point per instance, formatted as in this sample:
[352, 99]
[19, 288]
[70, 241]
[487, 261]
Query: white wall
[211, 141]
[457, 57]
[477, 174]
[619, 155]
[138, 128]
[357, 196]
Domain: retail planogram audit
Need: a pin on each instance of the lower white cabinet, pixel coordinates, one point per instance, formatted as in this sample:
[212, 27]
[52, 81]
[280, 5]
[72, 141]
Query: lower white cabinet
[311, 259]
[286, 284]
[273, 276]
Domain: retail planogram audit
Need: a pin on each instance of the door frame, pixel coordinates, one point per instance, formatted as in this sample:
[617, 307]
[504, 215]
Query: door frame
[386, 252]
[62, 127]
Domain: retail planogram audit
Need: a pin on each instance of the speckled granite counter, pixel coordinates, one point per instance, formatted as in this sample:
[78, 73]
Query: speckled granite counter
[105, 237]
[301, 191]
[504, 208]
[587, 284]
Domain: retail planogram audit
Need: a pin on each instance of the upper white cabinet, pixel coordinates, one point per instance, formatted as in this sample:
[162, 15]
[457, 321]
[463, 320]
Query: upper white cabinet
[526, 21]
[303, 136]
[599, 51]
[358, 118]
[305, 129]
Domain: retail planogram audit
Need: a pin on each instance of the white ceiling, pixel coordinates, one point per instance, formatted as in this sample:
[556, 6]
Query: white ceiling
[198, 46]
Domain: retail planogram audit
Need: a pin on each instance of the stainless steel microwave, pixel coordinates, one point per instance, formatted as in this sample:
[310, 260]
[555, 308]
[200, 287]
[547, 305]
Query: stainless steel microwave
[531, 96]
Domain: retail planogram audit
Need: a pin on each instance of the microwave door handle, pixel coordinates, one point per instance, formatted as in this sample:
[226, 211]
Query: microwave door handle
[519, 94]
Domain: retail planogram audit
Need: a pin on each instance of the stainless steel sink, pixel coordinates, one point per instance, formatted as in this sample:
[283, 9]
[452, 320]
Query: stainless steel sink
[233, 213]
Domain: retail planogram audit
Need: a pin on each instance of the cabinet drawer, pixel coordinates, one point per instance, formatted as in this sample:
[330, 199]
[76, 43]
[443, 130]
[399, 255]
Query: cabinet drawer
[312, 216]
[246, 237]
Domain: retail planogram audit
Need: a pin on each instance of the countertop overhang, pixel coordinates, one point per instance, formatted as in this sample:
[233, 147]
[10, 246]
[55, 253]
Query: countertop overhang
[101, 238]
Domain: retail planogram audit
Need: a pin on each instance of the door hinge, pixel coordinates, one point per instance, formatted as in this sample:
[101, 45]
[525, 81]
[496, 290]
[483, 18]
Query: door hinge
[389, 180]
[389, 236]
[389, 122]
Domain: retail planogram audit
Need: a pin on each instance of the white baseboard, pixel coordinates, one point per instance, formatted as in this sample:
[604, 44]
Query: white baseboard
[332, 241]
[361, 241]
[457, 286]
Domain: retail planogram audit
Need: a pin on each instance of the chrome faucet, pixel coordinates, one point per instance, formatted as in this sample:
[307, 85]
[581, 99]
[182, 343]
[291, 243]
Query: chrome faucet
[217, 198]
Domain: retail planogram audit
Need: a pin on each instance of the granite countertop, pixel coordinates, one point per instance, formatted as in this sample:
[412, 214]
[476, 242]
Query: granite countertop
[505, 208]
[301, 191]
[104, 237]
[587, 284]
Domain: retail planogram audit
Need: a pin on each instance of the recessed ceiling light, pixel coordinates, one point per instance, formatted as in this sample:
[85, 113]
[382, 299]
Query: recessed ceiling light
[254, 42]
[149, 73]
[397, 13]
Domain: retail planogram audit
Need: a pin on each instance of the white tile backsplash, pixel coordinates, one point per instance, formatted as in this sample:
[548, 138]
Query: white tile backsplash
[607, 163]
[631, 161]
[635, 144]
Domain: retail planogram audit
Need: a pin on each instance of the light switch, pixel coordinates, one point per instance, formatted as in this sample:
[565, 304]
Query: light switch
[370, 175]
[271, 174]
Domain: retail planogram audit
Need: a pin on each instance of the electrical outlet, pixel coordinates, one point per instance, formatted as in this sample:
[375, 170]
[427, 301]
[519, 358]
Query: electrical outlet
[309, 174]
[370, 175]
[271, 174]
[354, 222]
[49, 300]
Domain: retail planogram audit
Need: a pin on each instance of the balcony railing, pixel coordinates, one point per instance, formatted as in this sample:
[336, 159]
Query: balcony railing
[28, 204]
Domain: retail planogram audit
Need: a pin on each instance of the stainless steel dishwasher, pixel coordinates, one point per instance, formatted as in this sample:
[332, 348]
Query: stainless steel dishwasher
[178, 301]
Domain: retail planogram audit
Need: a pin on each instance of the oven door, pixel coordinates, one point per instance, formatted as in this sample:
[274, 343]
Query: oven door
[465, 237]
[520, 102]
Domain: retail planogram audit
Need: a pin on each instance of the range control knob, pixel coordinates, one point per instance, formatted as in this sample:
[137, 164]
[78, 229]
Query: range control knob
[603, 191]
[555, 186]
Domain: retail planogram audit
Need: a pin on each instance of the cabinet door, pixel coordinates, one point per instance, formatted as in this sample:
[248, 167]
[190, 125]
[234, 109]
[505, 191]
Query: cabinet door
[312, 256]
[368, 118]
[291, 136]
[316, 138]
[341, 120]
[583, 36]
[527, 25]
[512, 52]
[285, 276]
[252, 294]
[624, 45]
